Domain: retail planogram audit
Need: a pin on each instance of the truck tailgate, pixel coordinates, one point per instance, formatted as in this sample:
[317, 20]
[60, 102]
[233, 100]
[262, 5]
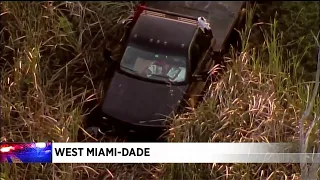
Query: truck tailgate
[220, 14]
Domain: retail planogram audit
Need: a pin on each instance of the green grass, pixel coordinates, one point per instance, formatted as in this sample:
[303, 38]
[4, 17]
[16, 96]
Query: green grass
[296, 20]
[51, 68]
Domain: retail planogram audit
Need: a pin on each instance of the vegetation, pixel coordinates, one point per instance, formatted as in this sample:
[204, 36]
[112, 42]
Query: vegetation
[296, 20]
[51, 59]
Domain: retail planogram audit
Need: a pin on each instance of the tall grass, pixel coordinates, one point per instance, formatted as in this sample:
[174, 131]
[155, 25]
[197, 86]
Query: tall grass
[296, 20]
[260, 98]
[51, 68]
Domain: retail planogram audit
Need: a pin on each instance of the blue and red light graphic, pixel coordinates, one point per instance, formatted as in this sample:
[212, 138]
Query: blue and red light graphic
[26, 152]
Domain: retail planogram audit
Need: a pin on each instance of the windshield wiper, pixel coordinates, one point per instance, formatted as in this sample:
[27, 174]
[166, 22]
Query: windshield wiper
[131, 70]
[163, 78]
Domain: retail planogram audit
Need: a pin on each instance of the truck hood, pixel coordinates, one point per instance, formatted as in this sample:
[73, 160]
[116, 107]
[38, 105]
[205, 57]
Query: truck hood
[140, 102]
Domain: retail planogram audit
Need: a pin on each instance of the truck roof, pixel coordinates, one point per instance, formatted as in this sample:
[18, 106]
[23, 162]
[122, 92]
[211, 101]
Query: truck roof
[220, 14]
[162, 33]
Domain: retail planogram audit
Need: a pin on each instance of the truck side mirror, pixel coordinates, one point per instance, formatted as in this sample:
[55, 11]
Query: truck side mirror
[107, 54]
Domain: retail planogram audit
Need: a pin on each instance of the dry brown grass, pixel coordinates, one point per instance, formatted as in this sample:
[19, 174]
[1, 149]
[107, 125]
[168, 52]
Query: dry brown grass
[51, 68]
[260, 98]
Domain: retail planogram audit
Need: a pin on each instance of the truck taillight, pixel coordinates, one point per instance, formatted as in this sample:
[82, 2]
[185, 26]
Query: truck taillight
[139, 9]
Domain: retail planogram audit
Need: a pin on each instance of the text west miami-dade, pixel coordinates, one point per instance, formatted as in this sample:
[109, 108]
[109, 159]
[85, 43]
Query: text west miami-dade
[102, 151]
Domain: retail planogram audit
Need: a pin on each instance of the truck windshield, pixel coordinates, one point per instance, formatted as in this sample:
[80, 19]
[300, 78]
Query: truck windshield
[154, 66]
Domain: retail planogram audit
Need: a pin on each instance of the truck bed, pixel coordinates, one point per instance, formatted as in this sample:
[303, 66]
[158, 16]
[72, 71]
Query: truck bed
[222, 15]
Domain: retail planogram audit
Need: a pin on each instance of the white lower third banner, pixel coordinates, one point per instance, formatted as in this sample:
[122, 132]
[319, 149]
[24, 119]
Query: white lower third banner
[179, 153]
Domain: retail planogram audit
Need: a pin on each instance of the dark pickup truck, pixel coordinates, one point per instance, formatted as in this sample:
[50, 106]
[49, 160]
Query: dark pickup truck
[166, 59]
